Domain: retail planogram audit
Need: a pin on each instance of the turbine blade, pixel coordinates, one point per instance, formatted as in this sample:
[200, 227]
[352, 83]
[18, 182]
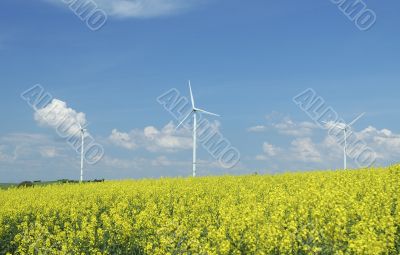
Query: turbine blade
[342, 127]
[187, 116]
[356, 119]
[84, 126]
[191, 95]
[338, 125]
[209, 113]
[327, 124]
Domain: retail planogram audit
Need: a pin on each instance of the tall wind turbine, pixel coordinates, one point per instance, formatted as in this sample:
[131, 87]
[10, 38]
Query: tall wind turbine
[346, 128]
[194, 111]
[82, 132]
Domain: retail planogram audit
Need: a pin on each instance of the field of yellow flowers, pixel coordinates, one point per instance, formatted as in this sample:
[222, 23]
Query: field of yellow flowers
[330, 212]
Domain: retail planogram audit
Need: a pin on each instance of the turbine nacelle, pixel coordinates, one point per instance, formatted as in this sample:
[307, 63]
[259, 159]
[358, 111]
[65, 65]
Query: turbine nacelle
[205, 112]
[341, 125]
[195, 109]
[82, 129]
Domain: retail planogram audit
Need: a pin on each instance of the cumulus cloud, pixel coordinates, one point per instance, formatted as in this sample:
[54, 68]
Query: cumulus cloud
[142, 8]
[384, 142]
[153, 139]
[325, 147]
[60, 117]
[122, 139]
[305, 150]
[269, 151]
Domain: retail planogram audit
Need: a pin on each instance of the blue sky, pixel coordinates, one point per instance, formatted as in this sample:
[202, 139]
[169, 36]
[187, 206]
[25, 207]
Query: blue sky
[246, 60]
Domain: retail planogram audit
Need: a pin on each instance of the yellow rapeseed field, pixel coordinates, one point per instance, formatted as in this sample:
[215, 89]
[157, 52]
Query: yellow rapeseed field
[329, 212]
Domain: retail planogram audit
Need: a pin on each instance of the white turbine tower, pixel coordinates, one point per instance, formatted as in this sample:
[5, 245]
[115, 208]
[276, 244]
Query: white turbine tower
[194, 111]
[82, 132]
[346, 128]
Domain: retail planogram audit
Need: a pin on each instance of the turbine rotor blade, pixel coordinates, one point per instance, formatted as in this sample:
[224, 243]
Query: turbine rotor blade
[338, 125]
[84, 126]
[356, 119]
[209, 113]
[327, 124]
[341, 126]
[191, 95]
[187, 116]
[81, 129]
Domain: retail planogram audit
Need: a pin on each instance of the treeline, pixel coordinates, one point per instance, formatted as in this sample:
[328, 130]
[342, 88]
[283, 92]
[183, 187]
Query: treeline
[26, 184]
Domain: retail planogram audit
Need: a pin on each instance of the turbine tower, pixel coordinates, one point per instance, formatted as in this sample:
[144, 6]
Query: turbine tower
[346, 128]
[82, 132]
[194, 111]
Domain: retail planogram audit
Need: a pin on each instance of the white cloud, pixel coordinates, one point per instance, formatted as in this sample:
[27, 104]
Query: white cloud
[24, 138]
[256, 129]
[23, 146]
[384, 142]
[162, 161]
[305, 150]
[335, 125]
[285, 126]
[123, 140]
[60, 117]
[143, 8]
[331, 149]
[167, 139]
[120, 163]
[48, 152]
[270, 150]
[297, 129]
[327, 150]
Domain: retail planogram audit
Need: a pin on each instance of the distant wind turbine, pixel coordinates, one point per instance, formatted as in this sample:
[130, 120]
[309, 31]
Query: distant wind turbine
[194, 111]
[346, 128]
[82, 132]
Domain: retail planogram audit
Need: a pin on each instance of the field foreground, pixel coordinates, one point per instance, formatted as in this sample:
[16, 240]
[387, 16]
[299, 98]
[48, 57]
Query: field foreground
[343, 212]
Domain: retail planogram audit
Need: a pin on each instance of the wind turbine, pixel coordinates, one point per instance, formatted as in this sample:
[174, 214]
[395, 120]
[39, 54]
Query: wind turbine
[82, 132]
[194, 111]
[345, 127]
